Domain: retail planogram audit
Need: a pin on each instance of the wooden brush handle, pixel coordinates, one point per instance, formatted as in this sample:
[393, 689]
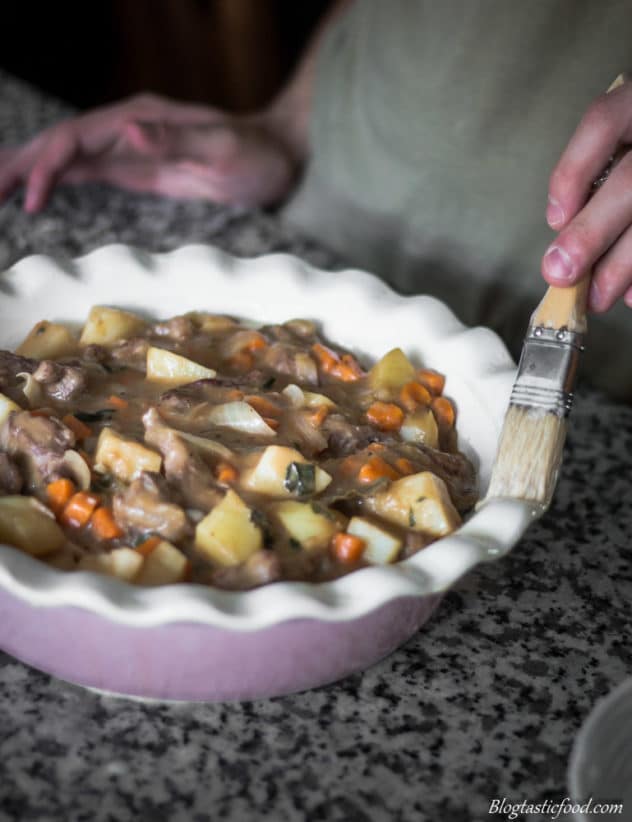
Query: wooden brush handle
[567, 306]
[564, 307]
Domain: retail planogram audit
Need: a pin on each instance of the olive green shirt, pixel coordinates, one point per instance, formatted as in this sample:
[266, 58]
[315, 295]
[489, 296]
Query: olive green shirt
[435, 126]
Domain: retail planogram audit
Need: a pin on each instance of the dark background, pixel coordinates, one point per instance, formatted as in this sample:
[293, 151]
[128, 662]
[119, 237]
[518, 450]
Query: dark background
[231, 53]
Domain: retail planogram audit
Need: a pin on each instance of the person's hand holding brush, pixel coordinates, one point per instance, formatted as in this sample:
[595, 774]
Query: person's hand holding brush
[595, 232]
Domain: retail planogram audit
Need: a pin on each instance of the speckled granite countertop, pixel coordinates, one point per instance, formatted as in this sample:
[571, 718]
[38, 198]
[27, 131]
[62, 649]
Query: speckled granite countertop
[483, 703]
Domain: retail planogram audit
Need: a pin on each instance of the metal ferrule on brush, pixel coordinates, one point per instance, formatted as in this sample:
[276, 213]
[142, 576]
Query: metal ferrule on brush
[546, 372]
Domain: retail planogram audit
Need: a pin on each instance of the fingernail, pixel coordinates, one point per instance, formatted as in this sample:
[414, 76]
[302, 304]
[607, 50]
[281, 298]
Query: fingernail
[558, 264]
[554, 213]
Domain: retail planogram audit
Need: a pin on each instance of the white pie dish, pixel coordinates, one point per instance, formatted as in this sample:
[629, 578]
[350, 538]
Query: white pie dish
[354, 309]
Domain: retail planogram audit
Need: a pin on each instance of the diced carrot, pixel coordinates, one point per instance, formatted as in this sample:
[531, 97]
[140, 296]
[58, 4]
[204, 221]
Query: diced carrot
[433, 380]
[58, 493]
[344, 372]
[347, 547]
[347, 369]
[79, 509]
[350, 360]
[376, 468]
[376, 446]
[263, 405]
[104, 525]
[349, 465]
[318, 416]
[271, 422]
[414, 394]
[234, 395]
[444, 412]
[404, 466]
[256, 343]
[242, 361]
[78, 428]
[146, 547]
[226, 473]
[325, 356]
[385, 415]
[117, 402]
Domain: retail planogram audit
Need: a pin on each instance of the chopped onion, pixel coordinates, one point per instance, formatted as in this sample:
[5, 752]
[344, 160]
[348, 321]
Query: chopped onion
[316, 400]
[79, 469]
[240, 416]
[306, 369]
[204, 444]
[31, 389]
[295, 395]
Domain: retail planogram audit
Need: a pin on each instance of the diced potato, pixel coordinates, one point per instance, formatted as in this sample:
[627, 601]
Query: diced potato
[392, 371]
[279, 473]
[165, 565]
[123, 458]
[420, 502]
[306, 525]
[108, 325]
[28, 525]
[211, 323]
[165, 366]
[228, 535]
[6, 407]
[122, 563]
[48, 341]
[420, 426]
[381, 546]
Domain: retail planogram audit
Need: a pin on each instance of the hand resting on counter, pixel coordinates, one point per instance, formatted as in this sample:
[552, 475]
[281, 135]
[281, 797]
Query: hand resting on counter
[152, 144]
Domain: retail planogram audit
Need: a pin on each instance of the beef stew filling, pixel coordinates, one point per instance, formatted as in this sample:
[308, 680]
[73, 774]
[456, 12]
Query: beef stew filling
[200, 449]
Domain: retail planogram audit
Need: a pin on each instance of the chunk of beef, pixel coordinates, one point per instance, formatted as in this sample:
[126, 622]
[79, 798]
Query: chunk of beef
[262, 567]
[177, 329]
[10, 477]
[344, 437]
[190, 403]
[131, 353]
[182, 464]
[37, 445]
[291, 331]
[144, 506]
[95, 353]
[302, 432]
[293, 361]
[60, 382]
[10, 366]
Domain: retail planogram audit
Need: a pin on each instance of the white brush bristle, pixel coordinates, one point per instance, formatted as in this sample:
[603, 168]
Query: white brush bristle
[529, 455]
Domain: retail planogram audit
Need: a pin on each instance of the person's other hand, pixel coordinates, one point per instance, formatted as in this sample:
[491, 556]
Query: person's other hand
[151, 144]
[595, 233]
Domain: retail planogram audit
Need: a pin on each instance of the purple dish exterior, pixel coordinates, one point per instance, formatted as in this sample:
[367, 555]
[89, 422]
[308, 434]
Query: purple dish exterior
[196, 662]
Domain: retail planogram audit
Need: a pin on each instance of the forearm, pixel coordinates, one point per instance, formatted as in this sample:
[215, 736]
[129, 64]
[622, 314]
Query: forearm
[289, 113]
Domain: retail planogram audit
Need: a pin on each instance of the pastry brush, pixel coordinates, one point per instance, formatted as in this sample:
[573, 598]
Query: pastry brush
[532, 438]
